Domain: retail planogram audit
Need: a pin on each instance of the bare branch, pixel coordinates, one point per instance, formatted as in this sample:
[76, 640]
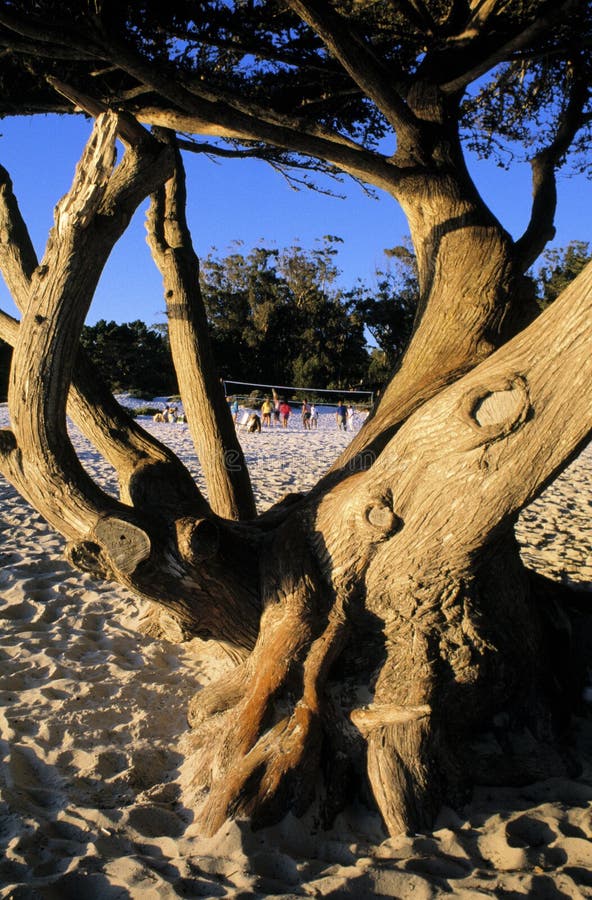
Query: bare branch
[210, 421]
[18, 259]
[508, 49]
[130, 450]
[357, 59]
[215, 116]
[540, 228]
[58, 300]
[483, 10]
[128, 128]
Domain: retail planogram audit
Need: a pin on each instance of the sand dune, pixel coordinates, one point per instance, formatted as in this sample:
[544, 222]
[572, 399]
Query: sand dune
[92, 723]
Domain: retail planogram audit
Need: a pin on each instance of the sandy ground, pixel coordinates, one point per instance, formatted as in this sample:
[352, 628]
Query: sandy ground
[92, 723]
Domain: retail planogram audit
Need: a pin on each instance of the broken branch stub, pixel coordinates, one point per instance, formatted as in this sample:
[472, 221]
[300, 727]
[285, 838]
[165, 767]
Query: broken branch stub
[125, 544]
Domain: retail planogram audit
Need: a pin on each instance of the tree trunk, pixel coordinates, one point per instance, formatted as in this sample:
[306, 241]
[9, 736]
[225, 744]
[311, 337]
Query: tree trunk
[210, 421]
[414, 570]
[473, 297]
[384, 620]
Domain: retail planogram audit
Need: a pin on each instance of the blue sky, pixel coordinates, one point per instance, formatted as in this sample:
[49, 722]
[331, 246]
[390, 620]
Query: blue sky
[244, 200]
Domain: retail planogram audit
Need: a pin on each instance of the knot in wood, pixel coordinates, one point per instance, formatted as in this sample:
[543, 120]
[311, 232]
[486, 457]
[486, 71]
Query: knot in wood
[7, 441]
[498, 409]
[88, 557]
[382, 518]
[197, 539]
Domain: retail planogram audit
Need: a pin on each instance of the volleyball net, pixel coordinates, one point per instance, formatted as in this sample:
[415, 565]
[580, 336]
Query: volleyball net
[327, 396]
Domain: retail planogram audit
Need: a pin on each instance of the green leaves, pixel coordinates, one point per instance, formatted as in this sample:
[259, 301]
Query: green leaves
[280, 316]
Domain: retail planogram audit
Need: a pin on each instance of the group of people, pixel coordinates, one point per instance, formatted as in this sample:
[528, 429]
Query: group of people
[170, 414]
[276, 412]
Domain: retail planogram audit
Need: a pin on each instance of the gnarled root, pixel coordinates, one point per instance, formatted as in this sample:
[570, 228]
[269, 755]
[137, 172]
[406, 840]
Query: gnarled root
[259, 732]
[403, 776]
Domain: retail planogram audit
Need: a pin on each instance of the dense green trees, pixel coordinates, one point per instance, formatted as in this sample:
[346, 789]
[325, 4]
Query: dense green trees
[275, 317]
[279, 316]
[388, 309]
[283, 316]
[560, 267]
[130, 356]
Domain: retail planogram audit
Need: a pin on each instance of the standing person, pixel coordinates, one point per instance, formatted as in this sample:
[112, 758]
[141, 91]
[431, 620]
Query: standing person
[266, 410]
[276, 408]
[305, 412]
[285, 411]
[234, 410]
[314, 416]
[340, 416]
[350, 417]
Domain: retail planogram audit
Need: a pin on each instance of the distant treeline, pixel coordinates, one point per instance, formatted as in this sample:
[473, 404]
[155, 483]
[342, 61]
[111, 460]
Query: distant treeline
[281, 317]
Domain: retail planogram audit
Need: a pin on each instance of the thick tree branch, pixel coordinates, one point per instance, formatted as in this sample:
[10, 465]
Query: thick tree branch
[358, 60]
[167, 554]
[210, 422]
[491, 443]
[540, 228]
[129, 130]
[131, 451]
[18, 259]
[15, 44]
[504, 424]
[506, 49]
[483, 11]
[54, 34]
[97, 209]
[192, 96]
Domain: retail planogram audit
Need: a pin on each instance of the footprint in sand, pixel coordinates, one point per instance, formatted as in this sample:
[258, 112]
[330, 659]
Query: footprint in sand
[30, 776]
[111, 763]
[535, 836]
[154, 821]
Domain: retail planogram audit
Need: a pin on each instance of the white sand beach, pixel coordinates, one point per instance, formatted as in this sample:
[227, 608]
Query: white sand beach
[92, 727]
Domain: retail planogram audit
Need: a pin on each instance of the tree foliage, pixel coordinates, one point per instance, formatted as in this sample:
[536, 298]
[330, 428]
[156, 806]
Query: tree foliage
[279, 316]
[560, 267]
[286, 74]
[130, 356]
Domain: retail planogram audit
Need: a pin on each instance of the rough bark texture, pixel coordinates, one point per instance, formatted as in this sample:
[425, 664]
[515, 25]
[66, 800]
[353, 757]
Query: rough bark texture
[210, 422]
[428, 572]
[381, 621]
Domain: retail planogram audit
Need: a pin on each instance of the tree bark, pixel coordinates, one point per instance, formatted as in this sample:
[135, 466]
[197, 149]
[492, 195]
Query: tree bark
[159, 550]
[473, 297]
[417, 553]
[210, 421]
[124, 444]
[399, 582]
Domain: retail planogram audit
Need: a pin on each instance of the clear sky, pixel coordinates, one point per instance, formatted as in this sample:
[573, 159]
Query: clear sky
[244, 200]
